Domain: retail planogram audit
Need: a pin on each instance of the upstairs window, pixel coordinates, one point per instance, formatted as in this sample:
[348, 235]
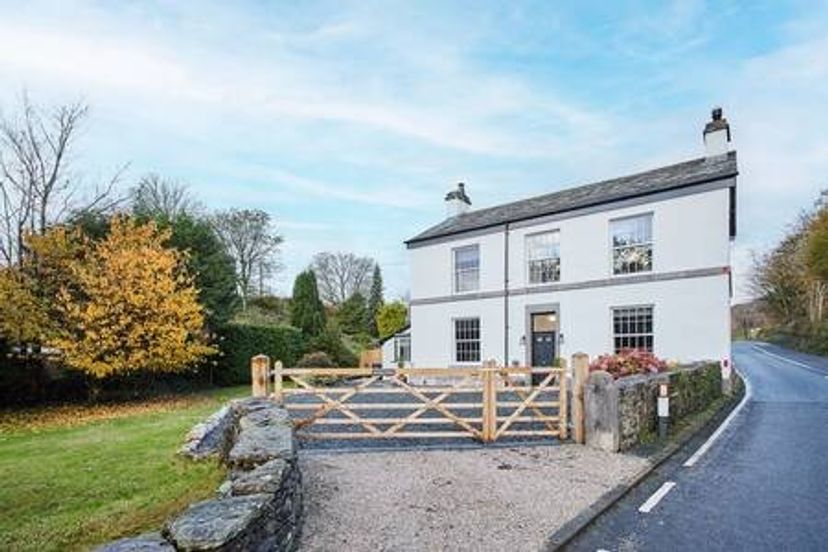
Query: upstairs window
[467, 268]
[632, 328]
[632, 244]
[467, 340]
[543, 257]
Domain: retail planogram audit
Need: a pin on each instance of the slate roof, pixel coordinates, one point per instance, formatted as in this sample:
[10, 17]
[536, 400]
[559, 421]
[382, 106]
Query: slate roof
[680, 175]
[406, 330]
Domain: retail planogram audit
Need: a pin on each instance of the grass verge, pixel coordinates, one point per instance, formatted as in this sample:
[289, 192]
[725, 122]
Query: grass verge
[77, 476]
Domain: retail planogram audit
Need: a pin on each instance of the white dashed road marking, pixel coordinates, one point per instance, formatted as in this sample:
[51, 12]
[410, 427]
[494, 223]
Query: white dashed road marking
[656, 497]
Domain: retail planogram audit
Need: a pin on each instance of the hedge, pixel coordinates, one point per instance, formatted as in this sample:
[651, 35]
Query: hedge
[240, 342]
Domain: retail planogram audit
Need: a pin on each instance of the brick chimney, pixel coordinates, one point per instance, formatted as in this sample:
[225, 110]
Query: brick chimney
[457, 202]
[716, 134]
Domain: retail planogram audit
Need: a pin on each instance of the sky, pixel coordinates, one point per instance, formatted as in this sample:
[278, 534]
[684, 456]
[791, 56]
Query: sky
[348, 122]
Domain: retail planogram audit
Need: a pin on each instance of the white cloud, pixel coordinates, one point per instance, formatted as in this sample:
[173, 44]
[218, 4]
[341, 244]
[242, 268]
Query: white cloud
[391, 195]
[301, 225]
[87, 62]
[446, 106]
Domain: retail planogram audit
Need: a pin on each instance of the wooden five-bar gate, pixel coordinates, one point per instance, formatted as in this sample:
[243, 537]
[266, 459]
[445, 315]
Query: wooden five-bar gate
[486, 403]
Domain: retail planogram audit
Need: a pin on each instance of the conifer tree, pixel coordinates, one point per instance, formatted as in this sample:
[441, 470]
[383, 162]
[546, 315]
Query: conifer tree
[306, 311]
[375, 301]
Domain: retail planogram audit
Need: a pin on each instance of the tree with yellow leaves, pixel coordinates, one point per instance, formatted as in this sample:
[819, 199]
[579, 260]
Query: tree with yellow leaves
[23, 318]
[27, 315]
[128, 304]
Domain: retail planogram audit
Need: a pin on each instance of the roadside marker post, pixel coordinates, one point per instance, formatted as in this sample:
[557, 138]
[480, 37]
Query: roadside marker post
[663, 410]
[727, 376]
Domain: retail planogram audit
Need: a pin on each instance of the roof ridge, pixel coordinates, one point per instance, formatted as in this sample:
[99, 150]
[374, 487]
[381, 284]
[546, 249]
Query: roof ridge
[591, 184]
[667, 177]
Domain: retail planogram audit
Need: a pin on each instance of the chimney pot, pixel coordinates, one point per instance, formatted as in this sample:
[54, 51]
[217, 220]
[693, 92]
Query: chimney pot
[716, 134]
[457, 201]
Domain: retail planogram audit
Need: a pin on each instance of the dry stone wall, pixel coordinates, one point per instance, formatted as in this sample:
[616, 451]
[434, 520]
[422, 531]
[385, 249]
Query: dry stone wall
[619, 414]
[258, 507]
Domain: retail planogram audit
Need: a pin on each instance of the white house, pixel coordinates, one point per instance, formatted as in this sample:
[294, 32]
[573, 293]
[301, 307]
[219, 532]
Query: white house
[641, 261]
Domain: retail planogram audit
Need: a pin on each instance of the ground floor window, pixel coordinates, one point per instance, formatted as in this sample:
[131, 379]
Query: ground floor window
[632, 328]
[467, 340]
[402, 348]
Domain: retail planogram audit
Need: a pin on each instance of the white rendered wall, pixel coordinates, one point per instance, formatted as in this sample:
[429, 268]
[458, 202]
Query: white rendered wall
[432, 266]
[689, 232]
[691, 321]
[691, 318]
[716, 143]
[432, 342]
[388, 354]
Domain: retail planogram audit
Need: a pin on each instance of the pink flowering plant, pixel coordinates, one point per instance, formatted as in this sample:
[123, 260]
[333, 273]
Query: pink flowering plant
[629, 362]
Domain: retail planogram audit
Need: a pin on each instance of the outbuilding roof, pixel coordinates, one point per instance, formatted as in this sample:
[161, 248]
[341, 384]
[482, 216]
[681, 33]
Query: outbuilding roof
[681, 175]
[406, 330]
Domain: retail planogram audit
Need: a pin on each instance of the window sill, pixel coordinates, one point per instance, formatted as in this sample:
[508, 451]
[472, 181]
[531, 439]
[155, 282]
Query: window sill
[466, 292]
[539, 284]
[625, 274]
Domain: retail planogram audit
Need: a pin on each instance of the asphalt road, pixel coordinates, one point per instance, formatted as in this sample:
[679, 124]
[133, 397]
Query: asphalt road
[761, 485]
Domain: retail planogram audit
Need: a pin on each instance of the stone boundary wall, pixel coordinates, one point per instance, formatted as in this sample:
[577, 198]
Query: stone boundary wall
[259, 505]
[621, 413]
[213, 436]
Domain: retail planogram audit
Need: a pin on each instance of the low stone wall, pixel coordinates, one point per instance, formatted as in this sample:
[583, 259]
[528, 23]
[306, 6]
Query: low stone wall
[621, 413]
[258, 507]
[213, 436]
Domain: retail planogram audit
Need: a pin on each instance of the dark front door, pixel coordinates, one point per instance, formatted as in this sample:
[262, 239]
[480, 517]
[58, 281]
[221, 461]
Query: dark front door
[544, 332]
[543, 349]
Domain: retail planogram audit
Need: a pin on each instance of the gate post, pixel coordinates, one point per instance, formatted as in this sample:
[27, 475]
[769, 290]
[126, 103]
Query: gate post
[580, 373]
[259, 365]
[278, 396]
[489, 401]
[563, 403]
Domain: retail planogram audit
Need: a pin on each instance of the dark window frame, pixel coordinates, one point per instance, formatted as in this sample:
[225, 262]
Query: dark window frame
[633, 327]
[631, 253]
[466, 340]
[543, 270]
[457, 270]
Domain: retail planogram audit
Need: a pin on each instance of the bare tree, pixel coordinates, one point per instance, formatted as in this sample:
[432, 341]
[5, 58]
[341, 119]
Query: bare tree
[158, 196]
[340, 275]
[36, 188]
[747, 318]
[254, 244]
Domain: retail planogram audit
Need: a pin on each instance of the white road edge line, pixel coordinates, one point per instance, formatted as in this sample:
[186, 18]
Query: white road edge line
[656, 497]
[716, 434]
[790, 361]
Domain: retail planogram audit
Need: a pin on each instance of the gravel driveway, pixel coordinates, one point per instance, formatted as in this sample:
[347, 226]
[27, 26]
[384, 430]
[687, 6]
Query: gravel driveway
[479, 499]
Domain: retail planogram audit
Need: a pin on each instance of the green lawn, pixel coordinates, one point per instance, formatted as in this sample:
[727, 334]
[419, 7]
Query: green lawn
[68, 484]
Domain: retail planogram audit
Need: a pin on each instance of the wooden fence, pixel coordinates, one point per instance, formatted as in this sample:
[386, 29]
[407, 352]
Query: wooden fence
[370, 358]
[486, 403]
